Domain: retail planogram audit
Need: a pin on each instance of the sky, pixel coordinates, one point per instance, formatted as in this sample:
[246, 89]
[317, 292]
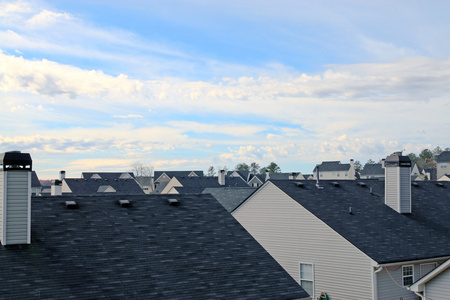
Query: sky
[187, 84]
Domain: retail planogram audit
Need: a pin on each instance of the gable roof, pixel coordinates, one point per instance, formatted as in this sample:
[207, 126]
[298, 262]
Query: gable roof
[419, 285]
[443, 157]
[172, 174]
[198, 184]
[377, 230]
[80, 186]
[230, 197]
[327, 166]
[150, 250]
[372, 170]
[35, 180]
[107, 175]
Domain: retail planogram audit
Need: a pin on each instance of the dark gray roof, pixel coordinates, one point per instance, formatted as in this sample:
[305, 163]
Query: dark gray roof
[376, 229]
[177, 174]
[372, 170]
[80, 186]
[281, 176]
[443, 157]
[35, 180]
[159, 186]
[230, 197]
[327, 166]
[106, 175]
[151, 250]
[201, 183]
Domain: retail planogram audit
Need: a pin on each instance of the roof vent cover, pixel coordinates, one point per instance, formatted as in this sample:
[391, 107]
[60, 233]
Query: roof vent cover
[71, 204]
[173, 202]
[124, 203]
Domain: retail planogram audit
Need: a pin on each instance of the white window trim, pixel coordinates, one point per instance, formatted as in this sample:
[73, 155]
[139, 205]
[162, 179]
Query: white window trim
[313, 278]
[403, 276]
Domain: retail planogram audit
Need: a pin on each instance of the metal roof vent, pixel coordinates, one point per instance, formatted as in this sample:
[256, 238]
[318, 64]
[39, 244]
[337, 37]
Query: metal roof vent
[439, 184]
[415, 184]
[71, 204]
[362, 184]
[173, 202]
[334, 183]
[125, 203]
[299, 184]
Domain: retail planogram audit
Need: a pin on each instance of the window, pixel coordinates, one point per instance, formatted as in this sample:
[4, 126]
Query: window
[307, 278]
[408, 275]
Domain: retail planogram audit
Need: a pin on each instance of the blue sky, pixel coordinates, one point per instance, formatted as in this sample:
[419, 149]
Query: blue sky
[178, 85]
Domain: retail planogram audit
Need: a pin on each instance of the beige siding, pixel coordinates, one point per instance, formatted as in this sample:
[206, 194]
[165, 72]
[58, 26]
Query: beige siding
[17, 195]
[438, 288]
[291, 234]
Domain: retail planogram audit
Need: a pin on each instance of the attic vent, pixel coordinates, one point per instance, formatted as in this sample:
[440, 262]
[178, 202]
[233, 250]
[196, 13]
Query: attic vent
[299, 184]
[71, 204]
[439, 184]
[334, 183]
[173, 202]
[361, 184]
[125, 203]
[415, 184]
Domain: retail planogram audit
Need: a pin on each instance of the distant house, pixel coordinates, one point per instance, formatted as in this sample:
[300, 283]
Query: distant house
[256, 180]
[80, 186]
[334, 170]
[36, 186]
[444, 178]
[194, 184]
[162, 178]
[443, 164]
[146, 183]
[372, 171]
[353, 239]
[286, 176]
[435, 284]
[230, 197]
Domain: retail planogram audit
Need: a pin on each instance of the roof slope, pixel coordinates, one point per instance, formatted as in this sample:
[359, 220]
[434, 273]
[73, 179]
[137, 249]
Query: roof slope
[198, 184]
[327, 166]
[372, 169]
[35, 180]
[80, 186]
[373, 227]
[107, 175]
[151, 250]
[443, 157]
[230, 197]
[177, 174]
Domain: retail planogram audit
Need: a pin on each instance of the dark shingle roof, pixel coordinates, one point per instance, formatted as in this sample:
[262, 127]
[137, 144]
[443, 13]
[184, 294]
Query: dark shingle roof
[443, 157]
[229, 197]
[107, 175]
[372, 169]
[177, 174]
[35, 180]
[80, 186]
[151, 250]
[376, 229]
[327, 166]
[201, 183]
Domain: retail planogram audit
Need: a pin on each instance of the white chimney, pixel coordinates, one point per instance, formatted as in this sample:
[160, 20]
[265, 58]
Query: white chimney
[221, 177]
[56, 188]
[15, 198]
[397, 191]
[267, 175]
[62, 175]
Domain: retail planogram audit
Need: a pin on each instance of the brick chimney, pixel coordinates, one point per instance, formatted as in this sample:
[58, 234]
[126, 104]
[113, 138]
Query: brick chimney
[397, 191]
[15, 198]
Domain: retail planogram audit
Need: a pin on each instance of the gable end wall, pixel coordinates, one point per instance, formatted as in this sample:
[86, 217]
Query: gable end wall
[291, 234]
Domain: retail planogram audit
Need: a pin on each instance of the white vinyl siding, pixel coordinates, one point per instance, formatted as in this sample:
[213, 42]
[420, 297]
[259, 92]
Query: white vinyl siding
[291, 234]
[438, 288]
[398, 189]
[15, 207]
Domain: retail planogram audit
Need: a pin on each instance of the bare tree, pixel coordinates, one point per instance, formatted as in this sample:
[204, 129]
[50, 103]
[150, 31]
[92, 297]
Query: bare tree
[141, 170]
[211, 172]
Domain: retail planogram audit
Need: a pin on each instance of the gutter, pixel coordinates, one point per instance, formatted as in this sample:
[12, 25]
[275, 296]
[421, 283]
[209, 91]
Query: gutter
[377, 269]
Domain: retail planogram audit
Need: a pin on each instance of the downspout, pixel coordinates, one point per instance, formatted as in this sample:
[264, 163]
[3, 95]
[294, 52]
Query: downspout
[375, 287]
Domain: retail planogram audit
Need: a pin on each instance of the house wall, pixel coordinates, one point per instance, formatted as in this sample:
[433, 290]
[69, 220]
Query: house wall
[2, 178]
[438, 288]
[442, 169]
[389, 282]
[328, 175]
[291, 234]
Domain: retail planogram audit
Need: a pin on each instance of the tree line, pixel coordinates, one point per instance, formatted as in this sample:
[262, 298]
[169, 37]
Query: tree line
[253, 168]
[425, 159]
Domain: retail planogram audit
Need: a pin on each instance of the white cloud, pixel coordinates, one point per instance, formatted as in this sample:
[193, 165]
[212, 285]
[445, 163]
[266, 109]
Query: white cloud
[46, 18]
[129, 116]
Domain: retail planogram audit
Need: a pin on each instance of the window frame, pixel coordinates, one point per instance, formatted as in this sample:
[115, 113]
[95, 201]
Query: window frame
[407, 276]
[310, 280]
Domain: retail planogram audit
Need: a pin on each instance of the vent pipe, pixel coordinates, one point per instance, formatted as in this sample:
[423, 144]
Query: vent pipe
[15, 198]
[221, 177]
[397, 191]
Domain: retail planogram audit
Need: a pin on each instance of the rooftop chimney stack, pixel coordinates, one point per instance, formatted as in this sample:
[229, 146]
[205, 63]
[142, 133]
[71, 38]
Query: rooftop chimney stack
[397, 191]
[56, 187]
[221, 177]
[15, 198]
[62, 175]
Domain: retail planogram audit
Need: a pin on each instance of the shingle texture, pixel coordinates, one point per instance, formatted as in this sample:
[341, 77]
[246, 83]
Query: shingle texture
[443, 157]
[373, 227]
[177, 174]
[327, 166]
[198, 184]
[372, 170]
[151, 250]
[230, 198]
[81, 186]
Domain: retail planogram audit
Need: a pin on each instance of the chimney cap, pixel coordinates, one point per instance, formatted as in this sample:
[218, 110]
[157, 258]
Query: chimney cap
[15, 160]
[396, 159]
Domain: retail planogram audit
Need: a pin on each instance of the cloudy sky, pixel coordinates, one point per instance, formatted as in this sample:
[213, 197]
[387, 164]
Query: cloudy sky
[187, 84]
